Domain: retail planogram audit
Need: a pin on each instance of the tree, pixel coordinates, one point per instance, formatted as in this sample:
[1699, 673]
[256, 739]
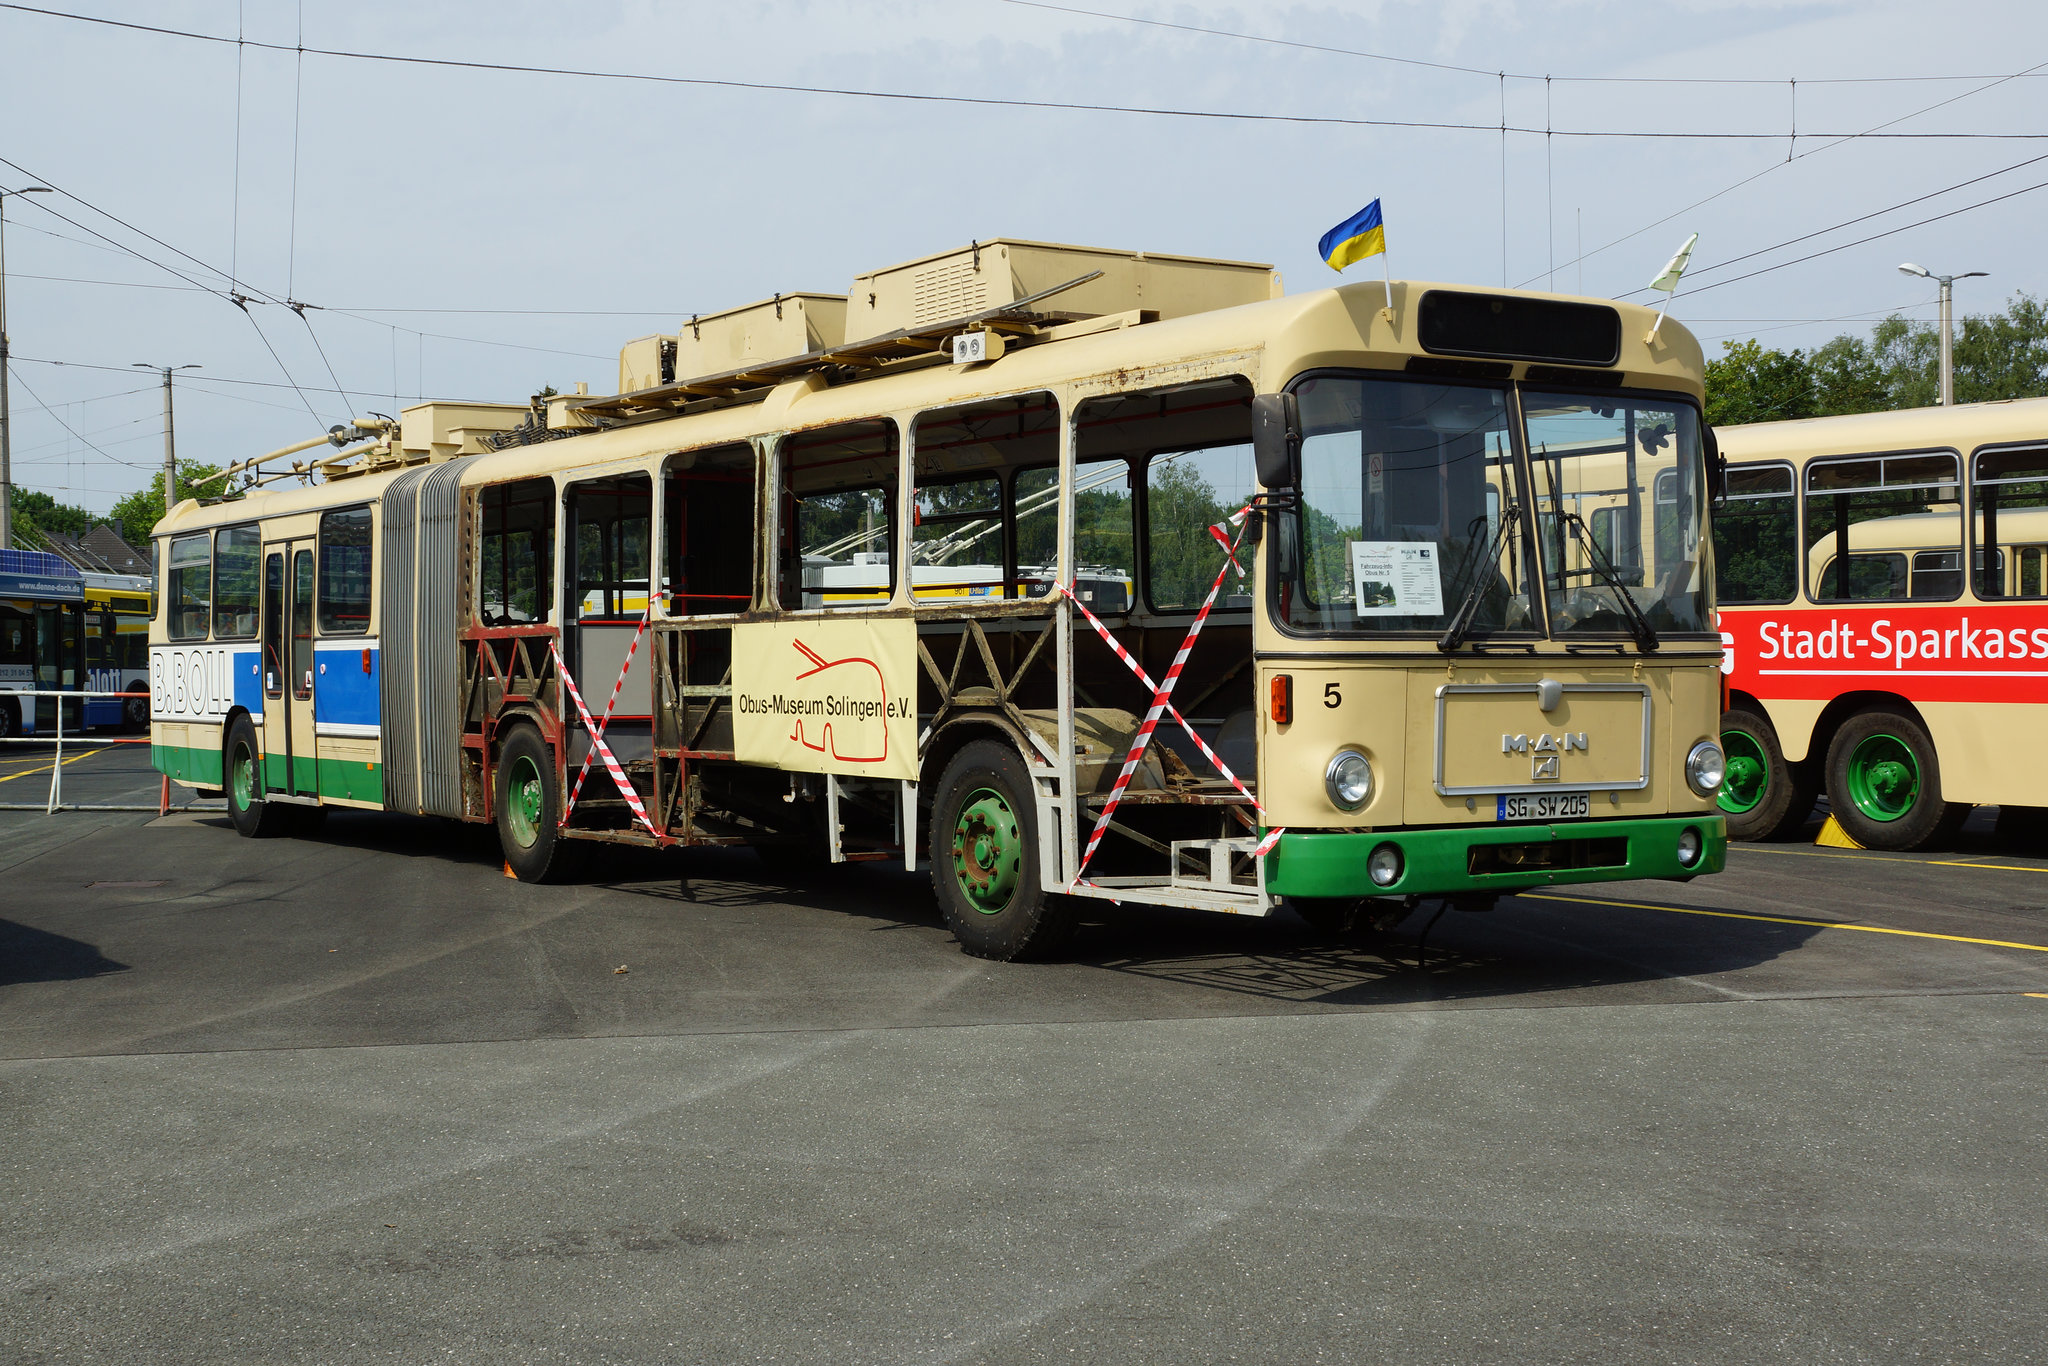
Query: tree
[33, 514]
[1997, 356]
[139, 512]
[1750, 384]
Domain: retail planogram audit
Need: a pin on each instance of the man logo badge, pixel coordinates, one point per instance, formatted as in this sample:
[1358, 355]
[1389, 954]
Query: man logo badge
[1543, 751]
[1543, 766]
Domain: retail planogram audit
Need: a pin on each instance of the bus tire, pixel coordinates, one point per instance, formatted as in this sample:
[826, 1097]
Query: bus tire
[10, 719]
[529, 808]
[135, 712]
[1884, 782]
[984, 852]
[241, 767]
[1762, 796]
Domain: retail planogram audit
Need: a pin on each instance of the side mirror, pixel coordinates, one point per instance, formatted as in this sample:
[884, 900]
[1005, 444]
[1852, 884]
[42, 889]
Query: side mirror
[1276, 440]
[1717, 472]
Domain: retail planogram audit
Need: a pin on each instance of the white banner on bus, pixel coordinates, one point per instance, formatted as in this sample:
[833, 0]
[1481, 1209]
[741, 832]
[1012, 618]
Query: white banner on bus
[192, 682]
[826, 696]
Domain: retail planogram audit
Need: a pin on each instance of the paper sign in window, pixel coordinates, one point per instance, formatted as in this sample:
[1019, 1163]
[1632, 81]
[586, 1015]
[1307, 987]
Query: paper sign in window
[1396, 579]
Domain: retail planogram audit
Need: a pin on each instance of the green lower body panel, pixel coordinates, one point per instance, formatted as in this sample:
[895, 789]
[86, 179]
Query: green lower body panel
[1493, 858]
[200, 767]
[351, 780]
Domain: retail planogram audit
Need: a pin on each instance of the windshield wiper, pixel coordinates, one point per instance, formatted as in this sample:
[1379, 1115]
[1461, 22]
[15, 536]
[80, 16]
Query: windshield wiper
[1638, 624]
[1461, 621]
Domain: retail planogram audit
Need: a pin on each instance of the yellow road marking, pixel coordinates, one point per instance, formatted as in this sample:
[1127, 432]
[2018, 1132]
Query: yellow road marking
[47, 767]
[1786, 920]
[1900, 858]
[2037, 995]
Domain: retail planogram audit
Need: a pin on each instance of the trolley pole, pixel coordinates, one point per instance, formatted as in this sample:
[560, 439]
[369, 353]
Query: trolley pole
[170, 444]
[6, 435]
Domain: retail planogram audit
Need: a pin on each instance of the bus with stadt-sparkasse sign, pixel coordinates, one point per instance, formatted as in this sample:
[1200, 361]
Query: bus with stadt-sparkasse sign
[1883, 584]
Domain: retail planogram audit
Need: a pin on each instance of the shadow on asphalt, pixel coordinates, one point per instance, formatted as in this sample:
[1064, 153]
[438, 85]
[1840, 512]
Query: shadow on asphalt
[1521, 948]
[32, 955]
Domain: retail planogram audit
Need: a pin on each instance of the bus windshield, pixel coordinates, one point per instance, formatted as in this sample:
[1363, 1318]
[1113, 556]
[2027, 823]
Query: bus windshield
[1407, 494]
[1620, 508]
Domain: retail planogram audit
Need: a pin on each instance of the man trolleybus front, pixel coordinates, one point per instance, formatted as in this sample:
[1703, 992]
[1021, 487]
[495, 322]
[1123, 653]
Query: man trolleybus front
[1485, 657]
[1070, 575]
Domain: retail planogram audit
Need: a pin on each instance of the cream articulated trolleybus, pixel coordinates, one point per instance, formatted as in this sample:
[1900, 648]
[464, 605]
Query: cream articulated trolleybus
[904, 574]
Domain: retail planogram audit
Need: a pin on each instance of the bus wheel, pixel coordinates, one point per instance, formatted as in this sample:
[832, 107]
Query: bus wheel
[529, 806]
[1762, 796]
[984, 850]
[242, 775]
[135, 713]
[10, 719]
[1884, 784]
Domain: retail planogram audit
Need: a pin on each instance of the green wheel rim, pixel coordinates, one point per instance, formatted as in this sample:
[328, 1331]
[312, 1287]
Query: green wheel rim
[244, 778]
[988, 851]
[1883, 777]
[524, 799]
[1749, 772]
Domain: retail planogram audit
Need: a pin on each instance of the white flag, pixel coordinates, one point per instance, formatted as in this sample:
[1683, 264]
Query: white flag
[1667, 279]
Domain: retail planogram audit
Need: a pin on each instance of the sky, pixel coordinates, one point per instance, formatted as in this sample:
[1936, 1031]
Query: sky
[462, 233]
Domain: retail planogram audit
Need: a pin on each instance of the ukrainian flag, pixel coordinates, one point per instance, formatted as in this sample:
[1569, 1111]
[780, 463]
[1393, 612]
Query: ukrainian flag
[1356, 238]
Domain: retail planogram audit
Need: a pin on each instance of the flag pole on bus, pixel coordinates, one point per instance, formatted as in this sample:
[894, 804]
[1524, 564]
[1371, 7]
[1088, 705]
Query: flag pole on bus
[1357, 237]
[1667, 281]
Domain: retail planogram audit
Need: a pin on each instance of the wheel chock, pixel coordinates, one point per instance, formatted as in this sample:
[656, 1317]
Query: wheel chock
[509, 873]
[1833, 836]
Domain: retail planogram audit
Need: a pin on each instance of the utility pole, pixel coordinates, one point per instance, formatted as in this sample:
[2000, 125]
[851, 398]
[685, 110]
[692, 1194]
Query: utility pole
[1948, 369]
[6, 435]
[170, 445]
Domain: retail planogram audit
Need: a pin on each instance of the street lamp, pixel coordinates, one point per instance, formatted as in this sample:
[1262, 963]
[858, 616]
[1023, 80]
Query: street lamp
[1948, 376]
[6, 449]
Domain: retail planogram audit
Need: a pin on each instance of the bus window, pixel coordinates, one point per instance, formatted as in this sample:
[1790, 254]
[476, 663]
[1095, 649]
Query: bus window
[273, 625]
[2009, 493]
[842, 481]
[236, 550]
[516, 553]
[190, 593]
[1104, 558]
[1756, 537]
[1186, 493]
[17, 630]
[1879, 504]
[708, 523]
[1872, 578]
[302, 624]
[345, 572]
[1402, 481]
[609, 523]
[961, 543]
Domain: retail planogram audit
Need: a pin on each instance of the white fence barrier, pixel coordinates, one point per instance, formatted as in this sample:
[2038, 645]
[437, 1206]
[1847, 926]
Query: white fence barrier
[79, 737]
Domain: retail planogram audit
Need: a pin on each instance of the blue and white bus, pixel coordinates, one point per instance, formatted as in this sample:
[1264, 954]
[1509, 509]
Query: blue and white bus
[42, 639]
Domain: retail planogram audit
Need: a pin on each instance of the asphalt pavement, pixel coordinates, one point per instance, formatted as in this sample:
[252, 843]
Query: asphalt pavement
[356, 1096]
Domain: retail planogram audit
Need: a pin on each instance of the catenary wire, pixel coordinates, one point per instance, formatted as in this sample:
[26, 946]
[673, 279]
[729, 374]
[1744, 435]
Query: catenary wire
[1473, 70]
[990, 101]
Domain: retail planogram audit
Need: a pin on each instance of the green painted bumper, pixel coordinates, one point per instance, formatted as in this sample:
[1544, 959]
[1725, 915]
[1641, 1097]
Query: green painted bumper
[1493, 858]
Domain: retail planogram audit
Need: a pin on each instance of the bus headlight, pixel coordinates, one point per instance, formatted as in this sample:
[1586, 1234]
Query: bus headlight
[1704, 768]
[1688, 847]
[1384, 865]
[1348, 780]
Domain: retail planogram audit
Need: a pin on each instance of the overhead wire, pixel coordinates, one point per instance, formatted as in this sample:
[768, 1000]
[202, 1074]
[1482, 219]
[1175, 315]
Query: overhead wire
[1837, 141]
[1467, 70]
[59, 419]
[984, 101]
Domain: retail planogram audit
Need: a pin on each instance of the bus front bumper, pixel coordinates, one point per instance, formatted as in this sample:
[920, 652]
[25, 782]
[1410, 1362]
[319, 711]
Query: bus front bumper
[1493, 858]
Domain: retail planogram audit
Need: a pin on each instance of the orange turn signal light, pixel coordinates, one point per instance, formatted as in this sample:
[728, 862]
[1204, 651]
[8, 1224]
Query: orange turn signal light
[1283, 698]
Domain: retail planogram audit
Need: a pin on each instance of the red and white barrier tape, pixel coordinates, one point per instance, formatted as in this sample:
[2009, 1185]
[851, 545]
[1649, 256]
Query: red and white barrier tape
[606, 719]
[1162, 694]
[597, 743]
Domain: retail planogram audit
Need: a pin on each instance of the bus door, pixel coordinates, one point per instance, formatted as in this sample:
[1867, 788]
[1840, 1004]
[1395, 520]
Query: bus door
[607, 560]
[59, 657]
[288, 674]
